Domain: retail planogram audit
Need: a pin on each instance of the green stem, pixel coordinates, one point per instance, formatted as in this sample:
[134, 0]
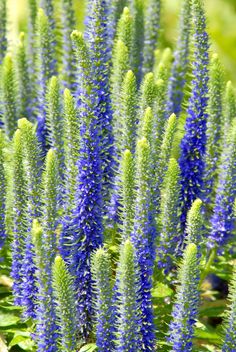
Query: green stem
[207, 268]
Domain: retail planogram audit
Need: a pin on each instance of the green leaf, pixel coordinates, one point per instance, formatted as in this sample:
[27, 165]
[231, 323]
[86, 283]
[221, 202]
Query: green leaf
[90, 347]
[19, 338]
[161, 291]
[7, 319]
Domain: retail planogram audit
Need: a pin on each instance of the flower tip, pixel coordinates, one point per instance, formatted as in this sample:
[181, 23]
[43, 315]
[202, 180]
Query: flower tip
[126, 11]
[76, 35]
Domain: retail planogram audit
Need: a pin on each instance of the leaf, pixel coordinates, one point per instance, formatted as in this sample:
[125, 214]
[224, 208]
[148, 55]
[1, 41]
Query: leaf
[7, 319]
[90, 347]
[26, 345]
[161, 291]
[17, 339]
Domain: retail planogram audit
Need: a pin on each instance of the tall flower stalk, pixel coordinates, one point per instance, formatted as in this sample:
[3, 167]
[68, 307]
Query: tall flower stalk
[194, 141]
[105, 317]
[181, 59]
[143, 239]
[128, 338]
[186, 304]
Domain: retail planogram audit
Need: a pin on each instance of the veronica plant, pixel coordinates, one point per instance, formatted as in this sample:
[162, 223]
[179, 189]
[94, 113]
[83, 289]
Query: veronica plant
[214, 125]
[128, 110]
[83, 228]
[229, 111]
[23, 78]
[65, 303]
[44, 70]
[186, 305]
[54, 120]
[194, 222]
[105, 317]
[96, 33]
[128, 338]
[3, 192]
[229, 343]
[194, 141]
[68, 25]
[19, 215]
[46, 329]
[181, 59]
[3, 29]
[151, 33]
[168, 219]
[71, 146]
[10, 109]
[127, 194]
[222, 220]
[143, 239]
[32, 170]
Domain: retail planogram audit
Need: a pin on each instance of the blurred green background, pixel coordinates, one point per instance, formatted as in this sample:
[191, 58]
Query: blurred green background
[221, 26]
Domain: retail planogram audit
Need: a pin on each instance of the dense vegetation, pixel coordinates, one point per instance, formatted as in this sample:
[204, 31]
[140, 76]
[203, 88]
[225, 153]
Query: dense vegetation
[117, 173]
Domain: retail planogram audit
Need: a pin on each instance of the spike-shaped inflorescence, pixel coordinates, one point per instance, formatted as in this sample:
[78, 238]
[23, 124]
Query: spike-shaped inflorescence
[10, 108]
[44, 70]
[181, 60]
[127, 194]
[214, 127]
[143, 238]
[3, 191]
[229, 110]
[222, 220]
[137, 12]
[160, 153]
[54, 120]
[229, 344]
[194, 223]
[168, 220]
[49, 203]
[148, 94]
[151, 33]
[46, 329]
[105, 317]
[19, 195]
[125, 31]
[96, 33]
[3, 29]
[128, 309]
[31, 161]
[23, 77]
[120, 66]
[65, 302]
[68, 25]
[128, 108]
[194, 141]
[71, 147]
[82, 231]
[186, 305]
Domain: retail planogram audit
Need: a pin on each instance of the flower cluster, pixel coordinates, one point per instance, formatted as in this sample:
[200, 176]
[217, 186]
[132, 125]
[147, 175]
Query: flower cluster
[106, 201]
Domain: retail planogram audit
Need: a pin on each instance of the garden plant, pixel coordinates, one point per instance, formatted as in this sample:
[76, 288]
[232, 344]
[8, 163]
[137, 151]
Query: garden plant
[117, 182]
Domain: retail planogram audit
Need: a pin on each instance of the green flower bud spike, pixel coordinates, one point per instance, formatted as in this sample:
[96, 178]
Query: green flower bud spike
[194, 222]
[127, 194]
[54, 120]
[65, 305]
[10, 109]
[105, 317]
